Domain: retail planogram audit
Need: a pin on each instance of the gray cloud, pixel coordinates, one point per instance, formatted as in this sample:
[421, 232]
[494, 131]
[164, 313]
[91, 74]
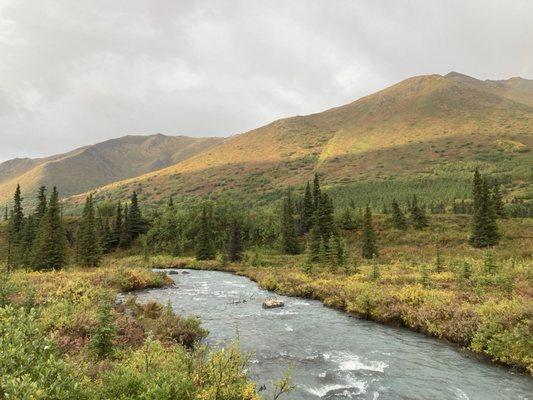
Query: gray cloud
[78, 72]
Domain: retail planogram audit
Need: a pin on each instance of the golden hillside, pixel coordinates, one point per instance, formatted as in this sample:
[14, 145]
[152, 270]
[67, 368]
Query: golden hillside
[413, 127]
[89, 167]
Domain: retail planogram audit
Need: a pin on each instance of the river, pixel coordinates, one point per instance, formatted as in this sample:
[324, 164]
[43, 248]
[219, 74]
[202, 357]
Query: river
[333, 355]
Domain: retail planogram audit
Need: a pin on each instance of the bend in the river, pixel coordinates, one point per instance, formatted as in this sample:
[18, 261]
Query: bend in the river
[333, 355]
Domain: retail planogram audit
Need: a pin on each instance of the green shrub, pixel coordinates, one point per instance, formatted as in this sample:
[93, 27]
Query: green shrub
[30, 364]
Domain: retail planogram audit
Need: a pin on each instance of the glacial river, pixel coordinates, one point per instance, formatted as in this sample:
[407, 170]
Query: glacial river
[333, 355]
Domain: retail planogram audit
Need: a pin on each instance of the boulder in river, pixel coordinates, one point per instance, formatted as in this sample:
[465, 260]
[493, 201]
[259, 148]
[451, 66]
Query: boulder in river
[173, 272]
[272, 302]
[185, 272]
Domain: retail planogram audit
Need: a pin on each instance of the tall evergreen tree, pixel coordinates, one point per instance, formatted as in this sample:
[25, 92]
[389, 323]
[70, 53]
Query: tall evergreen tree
[307, 210]
[235, 242]
[497, 201]
[477, 191]
[418, 215]
[317, 193]
[313, 246]
[484, 226]
[398, 219]
[88, 251]
[18, 214]
[40, 211]
[347, 222]
[289, 235]
[137, 224]
[50, 250]
[6, 213]
[205, 249]
[369, 238]
[324, 218]
[15, 231]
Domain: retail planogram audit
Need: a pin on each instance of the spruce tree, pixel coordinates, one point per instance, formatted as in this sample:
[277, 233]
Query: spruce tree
[50, 251]
[137, 224]
[40, 211]
[398, 219]
[6, 213]
[317, 193]
[17, 217]
[497, 202]
[484, 226]
[15, 231]
[313, 247]
[418, 216]
[204, 246]
[347, 222]
[307, 210]
[235, 242]
[369, 238]
[324, 219]
[88, 251]
[289, 235]
[477, 191]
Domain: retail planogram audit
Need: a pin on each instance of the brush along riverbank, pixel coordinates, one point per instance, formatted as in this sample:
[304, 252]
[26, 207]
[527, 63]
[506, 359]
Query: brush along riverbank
[483, 305]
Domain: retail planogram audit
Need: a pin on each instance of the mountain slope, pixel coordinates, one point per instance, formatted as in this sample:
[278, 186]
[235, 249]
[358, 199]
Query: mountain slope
[424, 126]
[92, 166]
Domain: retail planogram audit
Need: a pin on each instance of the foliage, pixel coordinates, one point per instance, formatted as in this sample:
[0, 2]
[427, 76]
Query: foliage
[50, 250]
[289, 234]
[31, 366]
[88, 244]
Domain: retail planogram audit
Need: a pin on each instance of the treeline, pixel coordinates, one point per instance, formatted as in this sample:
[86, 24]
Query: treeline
[40, 240]
[301, 223]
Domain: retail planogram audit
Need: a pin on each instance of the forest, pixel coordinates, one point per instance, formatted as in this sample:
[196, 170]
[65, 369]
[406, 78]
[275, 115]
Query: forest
[459, 271]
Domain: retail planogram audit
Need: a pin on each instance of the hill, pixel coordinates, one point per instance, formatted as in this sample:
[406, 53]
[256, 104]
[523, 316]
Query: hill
[425, 134]
[92, 166]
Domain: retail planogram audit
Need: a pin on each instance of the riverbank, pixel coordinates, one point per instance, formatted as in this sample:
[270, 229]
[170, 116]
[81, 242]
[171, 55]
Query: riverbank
[64, 336]
[483, 307]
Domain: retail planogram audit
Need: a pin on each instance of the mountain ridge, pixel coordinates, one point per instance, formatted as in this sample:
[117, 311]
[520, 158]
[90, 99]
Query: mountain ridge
[88, 167]
[425, 120]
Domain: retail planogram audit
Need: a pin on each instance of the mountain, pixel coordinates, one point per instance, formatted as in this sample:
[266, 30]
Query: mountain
[423, 132]
[89, 167]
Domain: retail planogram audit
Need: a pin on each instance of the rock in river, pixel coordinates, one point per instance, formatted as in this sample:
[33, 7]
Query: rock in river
[272, 303]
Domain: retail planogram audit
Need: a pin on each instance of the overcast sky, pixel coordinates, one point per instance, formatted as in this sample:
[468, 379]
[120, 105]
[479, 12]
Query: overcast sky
[76, 72]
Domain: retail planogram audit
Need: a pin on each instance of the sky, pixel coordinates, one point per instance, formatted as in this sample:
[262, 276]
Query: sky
[76, 72]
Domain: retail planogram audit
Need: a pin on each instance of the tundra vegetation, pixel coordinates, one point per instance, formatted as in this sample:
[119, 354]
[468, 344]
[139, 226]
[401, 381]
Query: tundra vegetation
[457, 271]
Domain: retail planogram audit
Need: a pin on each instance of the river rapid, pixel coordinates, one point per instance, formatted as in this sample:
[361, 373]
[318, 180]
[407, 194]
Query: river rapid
[333, 355]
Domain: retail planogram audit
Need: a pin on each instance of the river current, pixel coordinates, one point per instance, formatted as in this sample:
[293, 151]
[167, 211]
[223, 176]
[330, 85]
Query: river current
[333, 355]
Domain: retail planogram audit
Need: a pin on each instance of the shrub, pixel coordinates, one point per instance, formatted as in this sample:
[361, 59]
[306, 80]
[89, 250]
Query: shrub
[30, 363]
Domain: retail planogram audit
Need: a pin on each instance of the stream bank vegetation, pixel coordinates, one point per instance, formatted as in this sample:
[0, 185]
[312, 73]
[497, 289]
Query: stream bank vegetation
[457, 271]
[64, 335]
